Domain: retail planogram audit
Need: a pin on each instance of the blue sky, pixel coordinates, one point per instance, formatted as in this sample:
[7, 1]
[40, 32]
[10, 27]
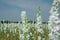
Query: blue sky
[11, 9]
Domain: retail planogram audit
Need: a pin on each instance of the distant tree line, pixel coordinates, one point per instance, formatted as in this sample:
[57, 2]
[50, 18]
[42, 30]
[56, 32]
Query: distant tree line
[20, 22]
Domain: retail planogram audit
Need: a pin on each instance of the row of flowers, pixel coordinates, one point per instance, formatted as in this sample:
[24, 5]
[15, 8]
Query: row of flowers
[31, 31]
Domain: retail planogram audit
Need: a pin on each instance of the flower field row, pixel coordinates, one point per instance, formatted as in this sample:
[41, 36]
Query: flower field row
[14, 31]
[33, 31]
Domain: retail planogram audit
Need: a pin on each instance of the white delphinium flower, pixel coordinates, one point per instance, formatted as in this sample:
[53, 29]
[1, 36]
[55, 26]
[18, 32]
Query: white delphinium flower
[19, 25]
[20, 30]
[30, 33]
[12, 27]
[39, 22]
[7, 35]
[0, 26]
[25, 27]
[27, 36]
[40, 30]
[53, 22]
[21, 36]
[3, 27]
[24, 18]
[39, 38]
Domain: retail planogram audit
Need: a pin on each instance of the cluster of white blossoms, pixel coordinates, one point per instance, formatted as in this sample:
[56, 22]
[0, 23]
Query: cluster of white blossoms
[25, 28]
[26, 35]
[32, 31]
[39, 24]
[24, 18]
[39, 20]
[54, 22]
